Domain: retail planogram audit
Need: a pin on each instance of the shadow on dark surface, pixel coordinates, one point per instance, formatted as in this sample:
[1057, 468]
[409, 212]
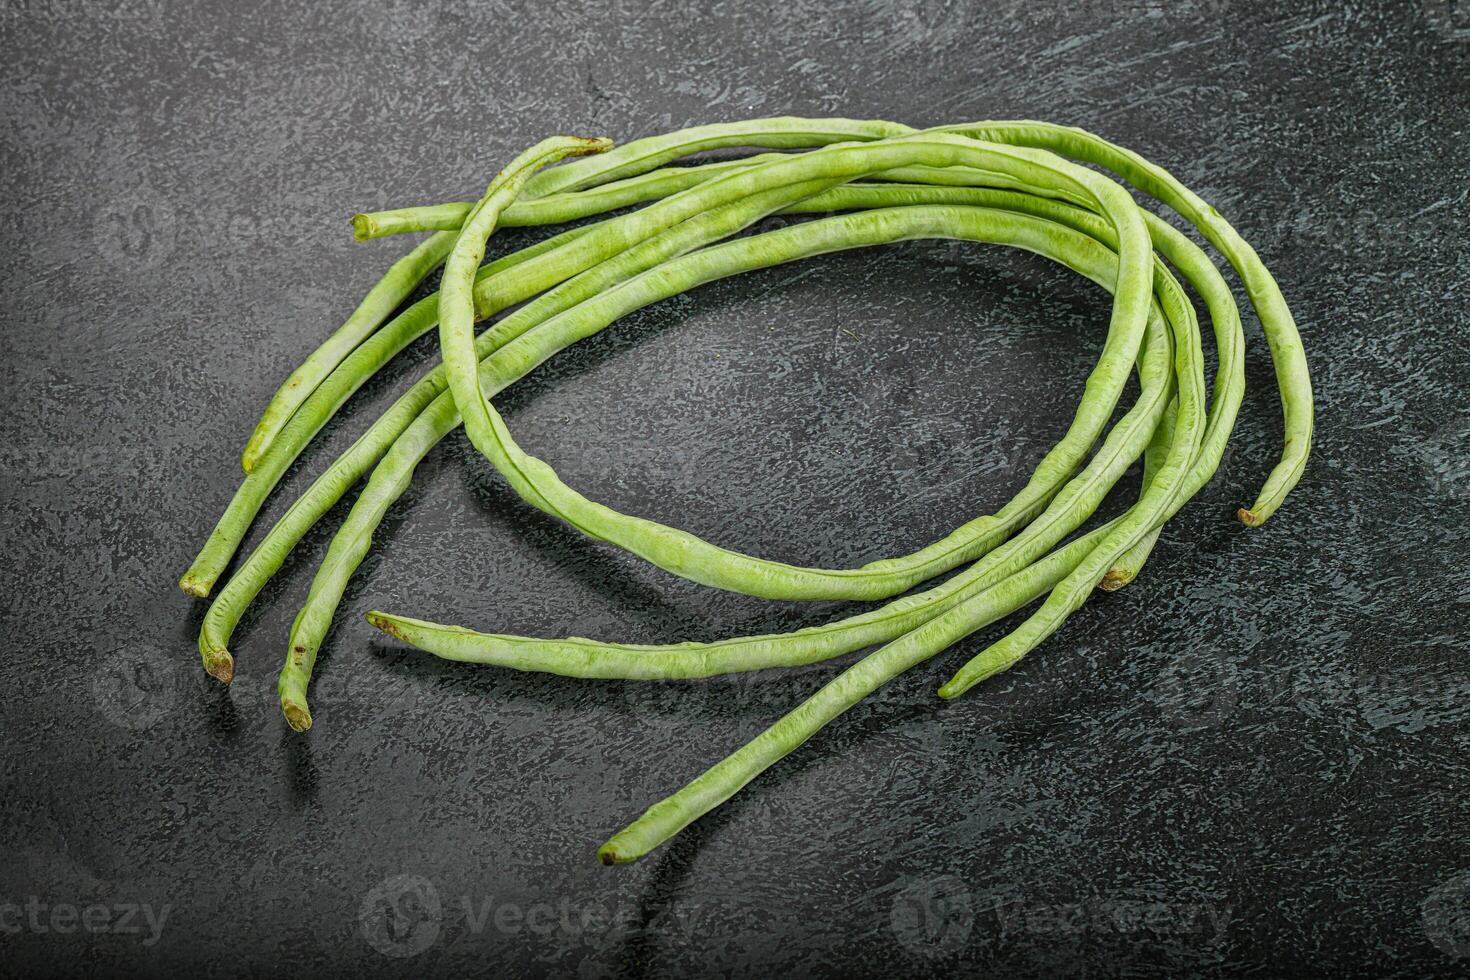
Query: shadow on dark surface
[1270, 724]
[300, 766]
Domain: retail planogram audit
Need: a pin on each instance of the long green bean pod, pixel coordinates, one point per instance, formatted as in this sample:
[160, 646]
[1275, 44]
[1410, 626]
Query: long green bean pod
[690, 556]
[1288, 355]
[1063, 244]
[1021, 184]
[401, 279]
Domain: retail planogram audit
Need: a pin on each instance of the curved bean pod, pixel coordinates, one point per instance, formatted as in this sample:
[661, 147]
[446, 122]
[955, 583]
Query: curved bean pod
[1008, 181]
[401, 279]
[692, 557]
[1070, 508]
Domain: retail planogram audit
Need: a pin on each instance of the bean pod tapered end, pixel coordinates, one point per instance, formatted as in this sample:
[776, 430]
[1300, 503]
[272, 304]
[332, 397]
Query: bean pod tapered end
[296, 715]
[196, 587]
[591, 145]
[220, 665]
[1250, 518]
[609, 854]
[363, 227]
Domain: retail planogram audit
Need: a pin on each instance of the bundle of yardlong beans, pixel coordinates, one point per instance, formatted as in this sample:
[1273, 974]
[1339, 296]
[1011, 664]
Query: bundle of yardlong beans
[1011, 183]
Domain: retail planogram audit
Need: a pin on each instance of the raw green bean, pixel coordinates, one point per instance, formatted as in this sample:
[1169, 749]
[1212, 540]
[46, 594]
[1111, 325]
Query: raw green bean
[569, 206]
[1287, 353]
[1086, 255]
[642, 155]
[354, 371]
[692, 557]
[726, 778]
[578, 657]
[502, 282]
[666, 818]
[1189, 462]
[1292, 373]
[553, 209]
[1006, 182]
[1126, 569]
[401, 279]
[804, 646]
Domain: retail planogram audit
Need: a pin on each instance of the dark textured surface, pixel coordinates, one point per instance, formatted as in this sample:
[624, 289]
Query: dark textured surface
[1251, 762]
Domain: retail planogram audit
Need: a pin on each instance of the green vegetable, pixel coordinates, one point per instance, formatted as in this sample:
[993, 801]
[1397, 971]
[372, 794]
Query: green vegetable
[401, 280]
[1018, 184]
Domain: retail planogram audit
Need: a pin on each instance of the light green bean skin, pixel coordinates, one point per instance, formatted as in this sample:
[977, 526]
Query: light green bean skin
[456, 289]
[1084, 254]
[570, 206]
[233, 525]
[224, 541]
[329, 396]
[504, 281]
[1287, 353]
[1293, 375]
[1166, 493]
[550, 210]
[1151, 510]
[224, 614]
[588, 658]
[1126, 569]
[402, 278]
[591, 659]
[726, 778]
[669, 816]
[1181, 443]
[573, 252]
[649, 153]
[690, 556]
[1188, 463]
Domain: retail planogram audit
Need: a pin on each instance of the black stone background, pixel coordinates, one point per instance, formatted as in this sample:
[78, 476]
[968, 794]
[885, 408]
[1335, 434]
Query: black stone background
[1251, 762]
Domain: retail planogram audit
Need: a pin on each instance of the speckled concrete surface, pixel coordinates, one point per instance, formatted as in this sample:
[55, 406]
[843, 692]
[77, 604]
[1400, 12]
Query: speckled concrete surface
[1252, 762]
